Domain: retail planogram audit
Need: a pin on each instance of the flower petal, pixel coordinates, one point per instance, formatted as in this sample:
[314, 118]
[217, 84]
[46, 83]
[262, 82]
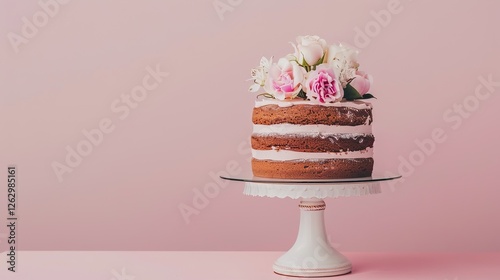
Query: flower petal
[254, 88]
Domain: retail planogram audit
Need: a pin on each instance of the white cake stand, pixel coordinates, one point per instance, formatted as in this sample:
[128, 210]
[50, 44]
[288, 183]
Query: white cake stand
[311, 255]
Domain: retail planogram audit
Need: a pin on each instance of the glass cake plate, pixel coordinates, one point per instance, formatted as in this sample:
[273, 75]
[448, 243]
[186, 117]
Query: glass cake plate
[248, 177]
[311, 255]
[310, 188]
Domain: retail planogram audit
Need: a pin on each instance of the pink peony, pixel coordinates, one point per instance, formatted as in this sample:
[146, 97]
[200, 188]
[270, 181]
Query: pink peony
[322, 85]
[284, 79]
[361, 82]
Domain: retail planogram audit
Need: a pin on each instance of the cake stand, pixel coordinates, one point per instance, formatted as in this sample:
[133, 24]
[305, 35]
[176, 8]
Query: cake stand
[311, 255]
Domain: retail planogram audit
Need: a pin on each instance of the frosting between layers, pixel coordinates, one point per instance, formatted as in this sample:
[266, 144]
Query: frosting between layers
[283, 155]
[289, 103]
[314, 129]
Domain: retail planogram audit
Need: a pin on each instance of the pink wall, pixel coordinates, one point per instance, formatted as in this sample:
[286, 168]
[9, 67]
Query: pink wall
[70, 73]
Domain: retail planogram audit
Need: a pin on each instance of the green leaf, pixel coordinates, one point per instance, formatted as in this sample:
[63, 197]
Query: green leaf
[350, 93]
[319, 60]
[368, 96]
[304, 62]
[302, 94]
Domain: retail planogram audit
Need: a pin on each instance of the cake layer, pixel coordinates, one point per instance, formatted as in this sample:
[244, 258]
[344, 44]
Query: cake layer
[310, 129]
[311, 114]
[283, 155]
[313, 169]
[315, 144]
[357, 104]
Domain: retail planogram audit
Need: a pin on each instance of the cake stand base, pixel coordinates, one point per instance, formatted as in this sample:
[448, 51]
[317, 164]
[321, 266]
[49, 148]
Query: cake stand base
[312, 255]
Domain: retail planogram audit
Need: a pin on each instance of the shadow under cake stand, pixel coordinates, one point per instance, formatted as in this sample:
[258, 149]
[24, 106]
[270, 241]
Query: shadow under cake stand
[311, 255]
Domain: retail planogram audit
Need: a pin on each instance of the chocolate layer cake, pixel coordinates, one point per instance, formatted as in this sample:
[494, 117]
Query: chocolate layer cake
[298, 139]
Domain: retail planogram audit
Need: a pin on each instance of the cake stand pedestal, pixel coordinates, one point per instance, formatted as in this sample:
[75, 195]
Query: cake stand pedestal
[311, 255]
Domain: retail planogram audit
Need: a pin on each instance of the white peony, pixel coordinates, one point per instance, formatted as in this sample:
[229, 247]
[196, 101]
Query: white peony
[345, 61]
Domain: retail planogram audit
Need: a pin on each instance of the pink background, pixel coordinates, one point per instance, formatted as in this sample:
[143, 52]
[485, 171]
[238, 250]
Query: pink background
[126, 194]
[244, 265]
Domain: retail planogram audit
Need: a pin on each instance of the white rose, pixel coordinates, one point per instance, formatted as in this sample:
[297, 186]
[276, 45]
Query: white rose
[310, 50]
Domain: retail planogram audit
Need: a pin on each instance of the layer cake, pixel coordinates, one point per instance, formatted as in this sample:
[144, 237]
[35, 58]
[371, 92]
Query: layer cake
[298, 139]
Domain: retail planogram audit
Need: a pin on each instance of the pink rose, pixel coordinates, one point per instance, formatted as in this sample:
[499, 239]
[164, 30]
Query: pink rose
[284, 79]
[322, 85]
[361, 82]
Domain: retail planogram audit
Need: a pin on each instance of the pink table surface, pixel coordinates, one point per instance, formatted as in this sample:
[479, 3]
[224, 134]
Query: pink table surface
[239, 265]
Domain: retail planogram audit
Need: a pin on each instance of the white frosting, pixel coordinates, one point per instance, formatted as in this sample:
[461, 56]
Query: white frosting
[282, 155]
[358, 104]
[310, 130]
